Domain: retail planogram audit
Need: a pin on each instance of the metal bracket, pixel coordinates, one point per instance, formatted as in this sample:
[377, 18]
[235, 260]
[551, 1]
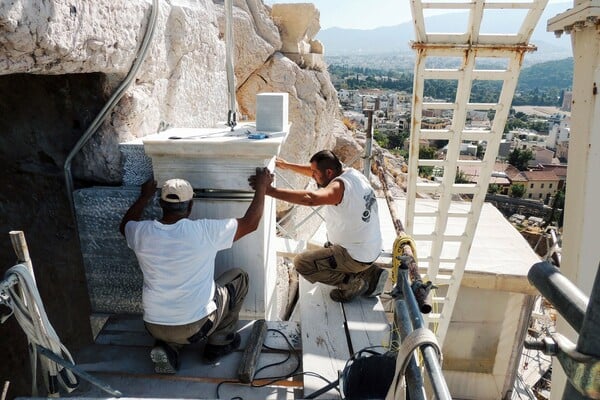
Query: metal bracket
[583, 371]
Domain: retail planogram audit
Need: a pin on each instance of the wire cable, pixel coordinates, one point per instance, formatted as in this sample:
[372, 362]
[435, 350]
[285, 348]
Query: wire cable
[273, 379]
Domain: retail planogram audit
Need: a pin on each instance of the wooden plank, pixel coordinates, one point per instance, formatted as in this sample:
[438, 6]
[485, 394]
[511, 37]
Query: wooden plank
[128, 330]
[135, 387]
[324, 346]
[367, 324]
[136, 361]
[125, 338]
[125, 322]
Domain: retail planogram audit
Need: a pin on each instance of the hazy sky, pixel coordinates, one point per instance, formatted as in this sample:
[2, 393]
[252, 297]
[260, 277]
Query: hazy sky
[362, 14]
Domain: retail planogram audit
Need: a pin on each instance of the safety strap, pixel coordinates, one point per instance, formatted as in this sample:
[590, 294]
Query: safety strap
[414, 339]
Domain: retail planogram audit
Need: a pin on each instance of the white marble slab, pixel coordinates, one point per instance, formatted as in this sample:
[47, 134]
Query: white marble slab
[212, 158]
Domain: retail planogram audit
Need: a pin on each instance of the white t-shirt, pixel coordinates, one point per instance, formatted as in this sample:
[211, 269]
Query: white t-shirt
[354, 223]
[178, 263]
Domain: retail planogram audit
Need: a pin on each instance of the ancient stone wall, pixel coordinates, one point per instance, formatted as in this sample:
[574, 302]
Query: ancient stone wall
[60, 61]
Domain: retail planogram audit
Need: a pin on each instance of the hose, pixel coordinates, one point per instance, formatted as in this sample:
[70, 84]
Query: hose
[112, 102]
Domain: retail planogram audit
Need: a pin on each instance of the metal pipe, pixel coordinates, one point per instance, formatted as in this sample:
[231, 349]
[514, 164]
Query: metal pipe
[77, 371]
[589, 339]
[568, 300]
[368, 144]
[414, 379]
[112, 102]
[229, 51]
[430, 357]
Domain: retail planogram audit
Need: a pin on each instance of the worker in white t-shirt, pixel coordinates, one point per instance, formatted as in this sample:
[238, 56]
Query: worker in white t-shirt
[352, 222]
[182, 301]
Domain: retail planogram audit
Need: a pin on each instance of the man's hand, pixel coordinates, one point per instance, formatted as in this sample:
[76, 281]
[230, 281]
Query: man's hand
[262, 180]
[280, 163]
[135, 211]
[148, 189]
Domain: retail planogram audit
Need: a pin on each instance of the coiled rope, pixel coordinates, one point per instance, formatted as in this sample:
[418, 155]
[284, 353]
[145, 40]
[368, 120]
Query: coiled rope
[31, 316]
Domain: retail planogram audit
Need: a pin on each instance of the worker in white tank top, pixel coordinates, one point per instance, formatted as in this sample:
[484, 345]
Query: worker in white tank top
[352, 221]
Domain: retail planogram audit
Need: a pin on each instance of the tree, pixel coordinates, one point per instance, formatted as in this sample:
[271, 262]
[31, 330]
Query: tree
[426, 153]
[517, 190]
[519, 158]
[461, 177]
[493, 188]
[381, 139]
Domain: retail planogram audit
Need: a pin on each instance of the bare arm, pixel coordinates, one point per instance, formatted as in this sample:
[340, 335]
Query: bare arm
[332, 194]
[249, 222]
[303, 169]
[135, 211]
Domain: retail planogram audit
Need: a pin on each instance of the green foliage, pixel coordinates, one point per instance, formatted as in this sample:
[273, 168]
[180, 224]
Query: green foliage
[480, 152]
[517, 190]
[556, 74]
[557, 209]
[493, 188]
[381, 139]
[519, 158]
[461, 177]
[541, 84]
[426, 153]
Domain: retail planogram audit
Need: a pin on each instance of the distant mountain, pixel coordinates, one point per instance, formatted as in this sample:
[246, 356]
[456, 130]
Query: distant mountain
[396, 39]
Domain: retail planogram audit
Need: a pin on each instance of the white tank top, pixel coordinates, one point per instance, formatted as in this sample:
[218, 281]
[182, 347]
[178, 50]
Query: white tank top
[354, 222]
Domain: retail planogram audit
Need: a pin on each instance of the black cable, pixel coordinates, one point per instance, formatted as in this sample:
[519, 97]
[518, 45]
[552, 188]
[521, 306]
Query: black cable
[291, 350]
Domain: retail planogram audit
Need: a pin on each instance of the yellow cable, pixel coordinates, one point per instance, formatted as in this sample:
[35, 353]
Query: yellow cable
[398, 250]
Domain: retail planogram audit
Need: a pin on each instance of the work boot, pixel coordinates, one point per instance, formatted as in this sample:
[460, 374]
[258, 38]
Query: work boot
[213, 352]
[376, 277]
[346, 292]
[165, 358]
[377, 282]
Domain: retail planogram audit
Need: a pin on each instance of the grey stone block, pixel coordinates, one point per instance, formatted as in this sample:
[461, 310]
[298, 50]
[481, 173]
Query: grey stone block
[137, 166]
[113, 276]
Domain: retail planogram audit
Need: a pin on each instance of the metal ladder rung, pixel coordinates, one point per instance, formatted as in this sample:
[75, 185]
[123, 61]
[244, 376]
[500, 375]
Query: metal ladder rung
[425, 237]
[455, 238]
[445, 238]
[431, 163]
[441, 73]
[460, 215]
[472, 136]
[429, 259]
[465, 188]
[442, 163]
[433, 214]
[429, 187]
[444, 279]
[433, 317]
[490, 74]
[436, 134]
[438, 106]
[483, 106]
[470, 162]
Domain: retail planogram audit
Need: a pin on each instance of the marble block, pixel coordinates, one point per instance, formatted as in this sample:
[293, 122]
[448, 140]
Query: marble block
[214, 158]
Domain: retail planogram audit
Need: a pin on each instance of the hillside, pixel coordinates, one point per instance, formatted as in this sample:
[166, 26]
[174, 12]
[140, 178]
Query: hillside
[551, 74]
[356, 44]
[540, 84]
